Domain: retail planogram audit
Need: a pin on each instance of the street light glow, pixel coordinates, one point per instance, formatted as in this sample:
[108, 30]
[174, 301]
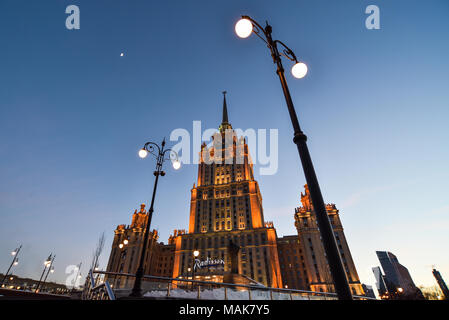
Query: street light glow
[125, 241]
[196, 253]
[143, 153]
[244, 28]
[299, 70]
[176, 164]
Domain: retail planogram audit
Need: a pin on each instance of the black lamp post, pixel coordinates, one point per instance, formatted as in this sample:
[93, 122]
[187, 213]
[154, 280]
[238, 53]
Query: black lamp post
[50, 269]
[160, 153]
[15, 260]
[244, 28]
[46, 264]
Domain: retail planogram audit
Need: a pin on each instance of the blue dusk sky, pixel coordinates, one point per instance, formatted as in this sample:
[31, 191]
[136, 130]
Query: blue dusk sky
[73, 114]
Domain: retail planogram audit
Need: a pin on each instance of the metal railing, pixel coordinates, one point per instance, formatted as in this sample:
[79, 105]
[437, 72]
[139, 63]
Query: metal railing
[97, 289]
[166, 287]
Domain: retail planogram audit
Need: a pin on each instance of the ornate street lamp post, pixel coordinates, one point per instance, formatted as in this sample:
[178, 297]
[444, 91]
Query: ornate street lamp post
[15, 262]
[160, 153]
[244, 28]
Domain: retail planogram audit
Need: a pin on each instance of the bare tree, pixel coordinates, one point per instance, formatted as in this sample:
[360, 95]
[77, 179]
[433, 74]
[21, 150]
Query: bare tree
[97, 252]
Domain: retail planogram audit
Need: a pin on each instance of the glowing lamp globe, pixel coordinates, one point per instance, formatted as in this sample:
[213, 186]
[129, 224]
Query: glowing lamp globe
[143, 153]
[299, 70]
[196, 253]
[244, 28]
[120, 245]
[176, 164]
[125, 241]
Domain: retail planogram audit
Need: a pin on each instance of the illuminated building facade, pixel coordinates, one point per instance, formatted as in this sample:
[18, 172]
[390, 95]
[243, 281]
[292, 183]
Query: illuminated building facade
[292, 263]
[126, 250]
[225, 206]
[312, 250]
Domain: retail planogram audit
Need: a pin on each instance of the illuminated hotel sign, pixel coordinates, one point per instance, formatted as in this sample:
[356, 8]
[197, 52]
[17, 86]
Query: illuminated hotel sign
[208, 263]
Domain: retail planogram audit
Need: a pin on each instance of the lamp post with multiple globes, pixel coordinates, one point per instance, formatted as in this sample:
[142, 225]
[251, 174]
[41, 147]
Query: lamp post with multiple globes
[15, 262]
[244, 28]
[161, 155]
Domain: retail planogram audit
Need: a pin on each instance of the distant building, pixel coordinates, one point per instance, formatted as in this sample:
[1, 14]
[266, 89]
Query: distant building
[15, 282]
[369, 292]
[380, 281]
[441, 283]
[397, 277]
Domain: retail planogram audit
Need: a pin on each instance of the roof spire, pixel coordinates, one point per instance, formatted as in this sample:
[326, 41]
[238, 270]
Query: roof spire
[225, 109]
[224, 123]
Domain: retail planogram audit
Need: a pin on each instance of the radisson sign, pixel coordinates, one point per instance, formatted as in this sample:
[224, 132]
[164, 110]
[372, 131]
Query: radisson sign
[208, 263]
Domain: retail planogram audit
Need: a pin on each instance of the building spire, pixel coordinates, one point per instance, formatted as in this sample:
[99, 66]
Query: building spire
[225, 122]
[225, 109]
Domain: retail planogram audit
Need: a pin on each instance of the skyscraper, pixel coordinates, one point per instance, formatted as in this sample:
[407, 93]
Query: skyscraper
[380, 281]
[441, 283]
[225, 206]
[397, 277]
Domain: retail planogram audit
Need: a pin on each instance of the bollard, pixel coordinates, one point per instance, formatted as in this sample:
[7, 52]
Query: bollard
[226, 293]
[168, 289]
[199, 292]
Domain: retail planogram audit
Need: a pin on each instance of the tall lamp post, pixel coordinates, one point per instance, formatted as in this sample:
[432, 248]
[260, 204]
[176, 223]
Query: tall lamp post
[46, 264]
[15, 262]
[50, 269]
[161, 155]
[244, 27]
